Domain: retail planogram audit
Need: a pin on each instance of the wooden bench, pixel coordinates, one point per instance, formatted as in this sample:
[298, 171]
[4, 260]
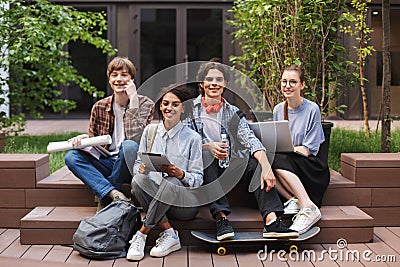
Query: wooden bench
[43, 224]
[56, 225]
[377, 184]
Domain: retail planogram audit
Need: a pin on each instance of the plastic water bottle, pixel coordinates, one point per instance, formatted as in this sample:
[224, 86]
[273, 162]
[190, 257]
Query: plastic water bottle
[224, 163]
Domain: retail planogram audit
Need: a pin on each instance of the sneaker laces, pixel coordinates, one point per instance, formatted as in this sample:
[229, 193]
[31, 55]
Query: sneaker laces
[301, 218]
[135, 242]
[162, 239]
[222, 222]
[291, 203]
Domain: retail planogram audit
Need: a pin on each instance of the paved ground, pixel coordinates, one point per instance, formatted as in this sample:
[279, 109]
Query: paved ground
[38, 127]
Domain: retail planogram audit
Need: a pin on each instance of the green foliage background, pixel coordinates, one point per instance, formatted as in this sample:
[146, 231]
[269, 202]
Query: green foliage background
[33, 37]
[274, 34]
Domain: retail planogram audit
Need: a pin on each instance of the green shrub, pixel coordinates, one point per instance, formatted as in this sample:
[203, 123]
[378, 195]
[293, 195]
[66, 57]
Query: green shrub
[351, 141]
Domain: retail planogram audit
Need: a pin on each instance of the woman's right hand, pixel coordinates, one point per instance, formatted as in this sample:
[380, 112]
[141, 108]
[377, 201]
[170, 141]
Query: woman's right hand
[76, 141]
[217, 149]
[143, 169]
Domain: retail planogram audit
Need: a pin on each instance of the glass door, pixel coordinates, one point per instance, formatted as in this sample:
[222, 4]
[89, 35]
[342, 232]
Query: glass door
[166, 35]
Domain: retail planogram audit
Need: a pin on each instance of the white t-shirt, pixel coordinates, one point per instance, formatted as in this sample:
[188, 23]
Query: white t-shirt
[211, 125]
[119, 131]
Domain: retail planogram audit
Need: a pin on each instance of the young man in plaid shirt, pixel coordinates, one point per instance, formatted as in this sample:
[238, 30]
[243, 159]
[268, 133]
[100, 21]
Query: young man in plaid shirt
[123, 116]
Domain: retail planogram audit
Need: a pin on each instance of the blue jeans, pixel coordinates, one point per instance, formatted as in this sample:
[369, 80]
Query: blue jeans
[105, 174]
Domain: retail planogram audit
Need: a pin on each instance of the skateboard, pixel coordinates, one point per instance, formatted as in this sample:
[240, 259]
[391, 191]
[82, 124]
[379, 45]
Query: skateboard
[252, 237]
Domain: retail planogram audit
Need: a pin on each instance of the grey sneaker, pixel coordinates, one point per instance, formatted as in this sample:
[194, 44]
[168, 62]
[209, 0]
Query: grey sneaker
[305, 219]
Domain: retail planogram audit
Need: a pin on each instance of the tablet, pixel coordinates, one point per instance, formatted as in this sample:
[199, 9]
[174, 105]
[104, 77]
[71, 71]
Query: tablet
[154, 160]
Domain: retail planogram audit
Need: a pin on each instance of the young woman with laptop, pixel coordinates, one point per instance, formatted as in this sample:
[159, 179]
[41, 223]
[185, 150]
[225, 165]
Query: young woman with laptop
[302, 180]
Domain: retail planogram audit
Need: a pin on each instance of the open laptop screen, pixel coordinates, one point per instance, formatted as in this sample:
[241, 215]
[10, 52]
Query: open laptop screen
[274, 135]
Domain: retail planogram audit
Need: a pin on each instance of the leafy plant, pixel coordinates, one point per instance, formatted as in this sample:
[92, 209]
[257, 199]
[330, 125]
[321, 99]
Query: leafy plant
[33, 36]
[358, 27]
[274, 34]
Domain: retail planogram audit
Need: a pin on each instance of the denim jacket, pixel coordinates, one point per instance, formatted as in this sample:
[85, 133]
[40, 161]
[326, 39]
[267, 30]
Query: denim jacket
[245, 135]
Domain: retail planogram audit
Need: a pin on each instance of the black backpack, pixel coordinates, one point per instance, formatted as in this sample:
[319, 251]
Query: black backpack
[105, 235]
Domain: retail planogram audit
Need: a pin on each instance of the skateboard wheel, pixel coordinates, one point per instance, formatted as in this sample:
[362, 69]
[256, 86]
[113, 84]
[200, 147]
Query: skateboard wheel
[293, 247]
[221, 251]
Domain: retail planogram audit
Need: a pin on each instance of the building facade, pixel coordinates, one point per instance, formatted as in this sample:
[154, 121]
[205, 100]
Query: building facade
[159, 34]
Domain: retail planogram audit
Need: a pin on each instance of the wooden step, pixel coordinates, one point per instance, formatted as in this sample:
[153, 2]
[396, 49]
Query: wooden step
[339, 181]
[377, 185]
[372, 169]
[52, 225]
[349, 195]
[59, 197]
[339, 185]
[62, 178]
[23, 170]
[384, 216]
[19, 172]
[56, 225]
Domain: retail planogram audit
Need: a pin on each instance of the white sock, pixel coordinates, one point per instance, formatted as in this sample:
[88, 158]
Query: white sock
[141, 234]
[271, 221]
[170, 231]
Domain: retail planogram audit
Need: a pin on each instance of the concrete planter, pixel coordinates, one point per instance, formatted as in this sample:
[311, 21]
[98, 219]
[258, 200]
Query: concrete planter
[324, 149]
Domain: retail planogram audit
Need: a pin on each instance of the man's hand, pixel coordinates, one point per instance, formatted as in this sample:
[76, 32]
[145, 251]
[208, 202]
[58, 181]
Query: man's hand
[143, 169]
[217, 149]
[267, 177]
[76, 141]
[131, 91]
[172, 171]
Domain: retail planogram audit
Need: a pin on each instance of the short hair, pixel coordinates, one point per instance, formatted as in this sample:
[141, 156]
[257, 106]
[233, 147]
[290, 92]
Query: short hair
[205, 68]
[296, 68]
[216, 59]
[119, 63]
[183, 94]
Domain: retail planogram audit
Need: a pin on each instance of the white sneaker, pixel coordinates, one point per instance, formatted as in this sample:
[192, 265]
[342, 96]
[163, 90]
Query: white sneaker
[291, 206]
[166, 244]
[305, 219]
[136, 250]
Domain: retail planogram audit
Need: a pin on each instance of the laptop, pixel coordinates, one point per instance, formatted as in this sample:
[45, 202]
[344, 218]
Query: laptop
[274, 135]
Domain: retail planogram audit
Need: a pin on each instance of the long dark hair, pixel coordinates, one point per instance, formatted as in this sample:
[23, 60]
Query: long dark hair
[184, 95]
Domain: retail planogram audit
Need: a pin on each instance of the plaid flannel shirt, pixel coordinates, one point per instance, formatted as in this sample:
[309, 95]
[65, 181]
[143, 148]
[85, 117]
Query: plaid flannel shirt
[135, 119]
